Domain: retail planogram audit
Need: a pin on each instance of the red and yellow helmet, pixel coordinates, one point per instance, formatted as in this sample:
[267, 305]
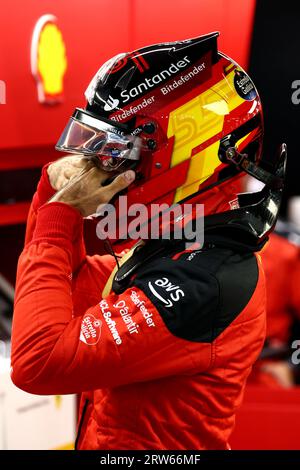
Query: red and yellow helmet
[186, 117]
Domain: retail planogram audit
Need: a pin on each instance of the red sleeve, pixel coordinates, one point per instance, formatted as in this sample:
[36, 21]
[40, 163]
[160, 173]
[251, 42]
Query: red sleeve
[43, 193]
[122, 339]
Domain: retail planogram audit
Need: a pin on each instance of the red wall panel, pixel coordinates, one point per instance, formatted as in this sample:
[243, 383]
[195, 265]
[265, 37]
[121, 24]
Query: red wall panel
[91, 36]
[170, 20]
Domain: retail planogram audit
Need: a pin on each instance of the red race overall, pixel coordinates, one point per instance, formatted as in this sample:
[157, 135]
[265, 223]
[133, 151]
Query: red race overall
[162, 365]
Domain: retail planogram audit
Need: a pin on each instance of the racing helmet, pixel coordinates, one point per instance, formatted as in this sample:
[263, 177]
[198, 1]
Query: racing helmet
[184, 116]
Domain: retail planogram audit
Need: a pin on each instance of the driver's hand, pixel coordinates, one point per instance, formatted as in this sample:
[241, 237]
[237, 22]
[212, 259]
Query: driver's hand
[85, 192]
[64, 169]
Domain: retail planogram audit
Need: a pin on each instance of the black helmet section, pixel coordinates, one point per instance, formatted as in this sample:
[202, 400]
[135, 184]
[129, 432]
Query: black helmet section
[257, 215]
[247, 160]
[131, 78]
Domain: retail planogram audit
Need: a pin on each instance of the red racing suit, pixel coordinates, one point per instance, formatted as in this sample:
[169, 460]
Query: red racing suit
[281, 261]
[162, 365]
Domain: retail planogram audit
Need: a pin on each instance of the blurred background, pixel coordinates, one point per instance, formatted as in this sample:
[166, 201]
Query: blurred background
[49, 50]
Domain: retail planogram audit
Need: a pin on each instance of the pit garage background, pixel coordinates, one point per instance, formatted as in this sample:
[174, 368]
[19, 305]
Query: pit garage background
[49, 51]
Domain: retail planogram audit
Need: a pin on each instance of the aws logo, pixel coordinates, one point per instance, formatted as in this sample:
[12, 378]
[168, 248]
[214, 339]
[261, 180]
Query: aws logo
[167, 293]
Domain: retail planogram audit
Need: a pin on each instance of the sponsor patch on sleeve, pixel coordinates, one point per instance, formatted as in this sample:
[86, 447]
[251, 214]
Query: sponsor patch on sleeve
[90, 331]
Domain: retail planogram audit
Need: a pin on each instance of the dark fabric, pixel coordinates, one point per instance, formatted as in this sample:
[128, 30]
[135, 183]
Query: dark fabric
[202, 292]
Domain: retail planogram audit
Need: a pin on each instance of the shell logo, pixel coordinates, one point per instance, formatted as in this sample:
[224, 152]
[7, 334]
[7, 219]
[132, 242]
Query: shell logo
[48, 59]
[58, 401]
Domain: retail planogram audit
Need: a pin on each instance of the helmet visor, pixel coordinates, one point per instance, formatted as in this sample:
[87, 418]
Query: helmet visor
[91, 136]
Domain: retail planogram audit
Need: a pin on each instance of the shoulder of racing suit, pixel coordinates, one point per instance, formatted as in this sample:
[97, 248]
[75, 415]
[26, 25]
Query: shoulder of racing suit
[199, 293]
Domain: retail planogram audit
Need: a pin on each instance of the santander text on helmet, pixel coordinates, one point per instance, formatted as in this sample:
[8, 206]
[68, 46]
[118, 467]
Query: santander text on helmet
[155, 80]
